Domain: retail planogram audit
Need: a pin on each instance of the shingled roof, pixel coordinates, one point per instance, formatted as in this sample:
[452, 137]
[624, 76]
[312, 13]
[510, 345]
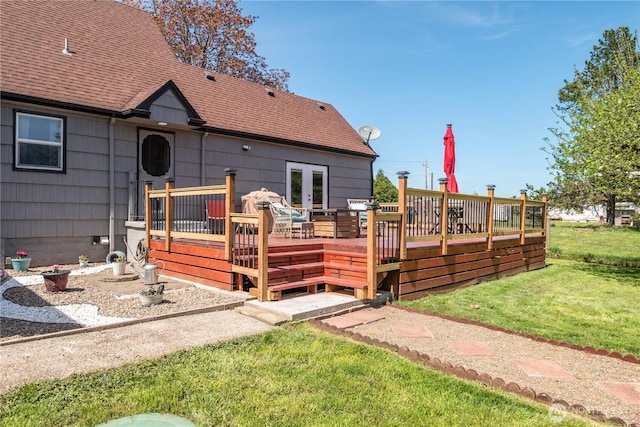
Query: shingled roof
[119, 58]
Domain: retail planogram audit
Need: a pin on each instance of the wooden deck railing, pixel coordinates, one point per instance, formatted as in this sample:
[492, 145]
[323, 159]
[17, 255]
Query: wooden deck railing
[207, 213]
[430, 215]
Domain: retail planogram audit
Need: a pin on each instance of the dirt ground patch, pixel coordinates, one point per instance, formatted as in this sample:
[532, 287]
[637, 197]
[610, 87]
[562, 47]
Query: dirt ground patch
[114, 297]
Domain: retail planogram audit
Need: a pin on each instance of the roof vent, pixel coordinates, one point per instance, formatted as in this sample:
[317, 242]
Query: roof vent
[321, 106]
[209, 75]
[66, 50]
[269, 91]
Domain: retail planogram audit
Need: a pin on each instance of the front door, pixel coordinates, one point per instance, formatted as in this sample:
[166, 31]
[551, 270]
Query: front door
[307, 185]
[155, 154]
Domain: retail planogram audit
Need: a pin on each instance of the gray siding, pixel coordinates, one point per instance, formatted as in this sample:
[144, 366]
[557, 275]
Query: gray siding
[55, 215]
[265, 166]
[167, 108]
[44, 212]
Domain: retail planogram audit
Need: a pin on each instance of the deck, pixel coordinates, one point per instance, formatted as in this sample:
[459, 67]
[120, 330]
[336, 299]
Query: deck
[428, 242]
[425, 270]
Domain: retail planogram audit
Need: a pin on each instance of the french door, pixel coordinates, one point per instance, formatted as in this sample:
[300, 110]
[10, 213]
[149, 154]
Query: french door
[307, 185]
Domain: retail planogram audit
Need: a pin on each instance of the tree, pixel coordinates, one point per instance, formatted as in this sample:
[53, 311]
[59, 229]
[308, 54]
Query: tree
[535, 193]
[212, 34]
[596, 159]
[606, 71]
[383, 190]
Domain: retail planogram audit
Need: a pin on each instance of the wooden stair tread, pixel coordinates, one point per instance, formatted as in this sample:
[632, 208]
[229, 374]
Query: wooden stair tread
[296, 254]
[348, 267]
[317, 281]
[351, 254]
[301, 266]
[297, 284]
[310, 265]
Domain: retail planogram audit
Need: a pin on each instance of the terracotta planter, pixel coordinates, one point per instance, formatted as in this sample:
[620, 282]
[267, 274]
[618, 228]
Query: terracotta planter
[149, 300]
[21, 264]
[56, 282]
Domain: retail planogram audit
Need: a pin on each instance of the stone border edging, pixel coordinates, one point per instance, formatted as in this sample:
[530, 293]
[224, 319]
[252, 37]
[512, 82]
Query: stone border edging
[81, 330]
[587, 349]
[469, 374]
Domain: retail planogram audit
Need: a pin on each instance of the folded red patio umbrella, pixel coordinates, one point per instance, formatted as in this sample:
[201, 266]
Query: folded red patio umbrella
[450, 160]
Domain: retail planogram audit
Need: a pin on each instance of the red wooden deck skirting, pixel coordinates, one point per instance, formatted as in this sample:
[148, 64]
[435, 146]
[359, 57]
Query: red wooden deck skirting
[425, 271]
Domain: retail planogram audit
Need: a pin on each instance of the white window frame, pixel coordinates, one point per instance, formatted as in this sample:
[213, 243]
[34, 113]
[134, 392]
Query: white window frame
[59, 144]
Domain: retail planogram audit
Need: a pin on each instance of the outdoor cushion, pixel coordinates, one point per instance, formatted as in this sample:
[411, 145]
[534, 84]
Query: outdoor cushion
[285, 212]
[358, 207]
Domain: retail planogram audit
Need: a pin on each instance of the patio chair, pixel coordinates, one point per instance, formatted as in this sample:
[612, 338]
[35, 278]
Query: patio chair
[286, 218]
[215, 216]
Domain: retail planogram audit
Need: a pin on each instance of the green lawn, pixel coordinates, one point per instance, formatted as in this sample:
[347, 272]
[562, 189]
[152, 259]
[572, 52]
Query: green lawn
[589, 303]
[592, 242]
[294, 376]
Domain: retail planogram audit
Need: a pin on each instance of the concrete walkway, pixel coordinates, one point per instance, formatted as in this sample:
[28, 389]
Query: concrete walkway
[64, 355]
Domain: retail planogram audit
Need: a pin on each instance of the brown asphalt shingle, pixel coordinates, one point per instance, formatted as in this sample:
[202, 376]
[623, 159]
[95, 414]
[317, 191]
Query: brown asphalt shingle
[120, 58]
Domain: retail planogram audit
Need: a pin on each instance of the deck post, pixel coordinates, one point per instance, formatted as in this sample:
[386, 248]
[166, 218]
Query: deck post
[523, 214]
[491, 193]
[444, 216]
[263, 251]
[168, 215]
[402, 209]
[372, 250]
[230, 206]
[148, 186]
[545, 222]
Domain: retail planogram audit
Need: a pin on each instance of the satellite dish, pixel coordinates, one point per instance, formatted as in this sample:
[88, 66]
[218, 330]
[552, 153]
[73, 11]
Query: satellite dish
[369, 133]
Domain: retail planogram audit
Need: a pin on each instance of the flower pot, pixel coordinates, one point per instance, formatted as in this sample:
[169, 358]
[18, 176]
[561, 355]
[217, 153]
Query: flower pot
[56, 282]
[83, 263]
[118, 268]
[149, 300]
[21, 264]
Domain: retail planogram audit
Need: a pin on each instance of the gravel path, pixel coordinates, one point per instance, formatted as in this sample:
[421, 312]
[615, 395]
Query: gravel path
[439, 339]
[94, 297]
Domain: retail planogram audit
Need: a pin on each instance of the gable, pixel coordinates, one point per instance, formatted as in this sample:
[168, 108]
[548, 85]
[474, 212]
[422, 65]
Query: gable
[165, 104]
[121, 66]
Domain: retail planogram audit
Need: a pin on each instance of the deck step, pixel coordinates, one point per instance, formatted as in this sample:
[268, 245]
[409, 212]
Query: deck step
[346, 267]
[345, 283]
[350, 254]
[315, 281]
[311, 265]
[312, 281]
[296, 254]
[302, 266]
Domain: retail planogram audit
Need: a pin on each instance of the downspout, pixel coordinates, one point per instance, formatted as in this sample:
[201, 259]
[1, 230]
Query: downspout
[372, 197]
[202, 159]
[112, 184]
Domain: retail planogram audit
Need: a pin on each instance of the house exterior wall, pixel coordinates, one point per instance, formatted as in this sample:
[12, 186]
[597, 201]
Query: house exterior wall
[58, 216]
[264, 165]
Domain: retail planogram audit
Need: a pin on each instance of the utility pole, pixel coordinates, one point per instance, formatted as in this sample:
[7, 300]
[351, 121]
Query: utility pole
[426, 174]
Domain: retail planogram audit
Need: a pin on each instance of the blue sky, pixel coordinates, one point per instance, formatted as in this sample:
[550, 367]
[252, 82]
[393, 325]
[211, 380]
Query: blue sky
[492, 69]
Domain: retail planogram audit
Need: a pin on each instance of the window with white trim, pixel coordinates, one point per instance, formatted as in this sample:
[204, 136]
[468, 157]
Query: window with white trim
[39, 142]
